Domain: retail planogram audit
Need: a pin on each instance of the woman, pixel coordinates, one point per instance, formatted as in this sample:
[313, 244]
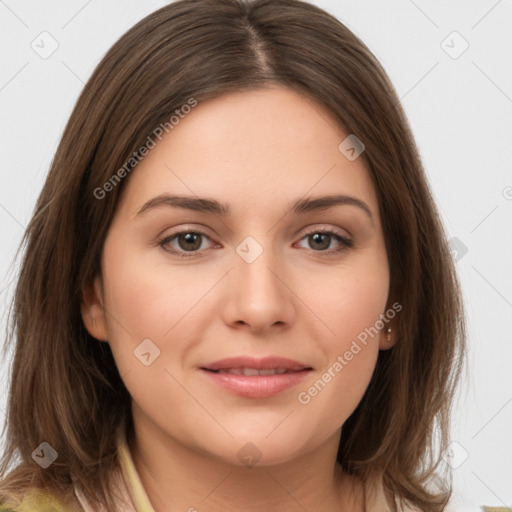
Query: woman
[182, 342]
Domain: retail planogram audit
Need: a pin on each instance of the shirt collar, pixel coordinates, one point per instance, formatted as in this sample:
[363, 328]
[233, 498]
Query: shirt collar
[131, 496]
[131, 477]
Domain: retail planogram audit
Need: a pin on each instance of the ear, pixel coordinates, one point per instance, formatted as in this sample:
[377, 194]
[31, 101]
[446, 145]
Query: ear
[388, 340]
[93, 311]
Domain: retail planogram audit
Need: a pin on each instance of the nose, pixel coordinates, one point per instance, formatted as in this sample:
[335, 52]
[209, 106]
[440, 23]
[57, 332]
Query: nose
[259, 295]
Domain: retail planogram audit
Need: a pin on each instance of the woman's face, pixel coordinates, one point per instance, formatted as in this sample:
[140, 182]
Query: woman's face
[184, 288]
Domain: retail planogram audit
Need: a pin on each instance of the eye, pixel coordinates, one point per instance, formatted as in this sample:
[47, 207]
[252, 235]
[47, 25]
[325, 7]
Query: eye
[321, 239]
[189, 243]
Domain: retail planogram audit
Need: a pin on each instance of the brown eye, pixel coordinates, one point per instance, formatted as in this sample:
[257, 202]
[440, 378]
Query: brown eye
[187, 243]
[320, 240]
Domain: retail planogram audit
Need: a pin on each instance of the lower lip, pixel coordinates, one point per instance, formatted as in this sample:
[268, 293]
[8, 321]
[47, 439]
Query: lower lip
[257, 386]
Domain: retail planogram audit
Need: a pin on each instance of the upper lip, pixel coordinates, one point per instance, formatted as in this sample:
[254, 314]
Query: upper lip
[265, 363]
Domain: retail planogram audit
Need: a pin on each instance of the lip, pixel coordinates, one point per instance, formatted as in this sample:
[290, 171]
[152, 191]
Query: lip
[265, 363]
[257, 386]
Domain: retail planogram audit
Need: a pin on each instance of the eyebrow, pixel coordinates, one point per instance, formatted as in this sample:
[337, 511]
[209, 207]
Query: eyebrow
[207, 205]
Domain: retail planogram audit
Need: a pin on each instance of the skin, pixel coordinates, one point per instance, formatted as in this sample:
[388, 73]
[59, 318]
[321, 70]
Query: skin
[257, 151]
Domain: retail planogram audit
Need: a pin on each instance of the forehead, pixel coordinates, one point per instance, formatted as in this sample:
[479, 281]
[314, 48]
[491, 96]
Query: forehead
[251, 149]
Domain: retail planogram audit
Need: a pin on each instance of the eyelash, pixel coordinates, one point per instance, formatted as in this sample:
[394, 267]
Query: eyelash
[345, 242]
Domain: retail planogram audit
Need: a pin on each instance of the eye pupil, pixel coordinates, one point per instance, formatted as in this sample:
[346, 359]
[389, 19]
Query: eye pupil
[190, 238]
[317, 237]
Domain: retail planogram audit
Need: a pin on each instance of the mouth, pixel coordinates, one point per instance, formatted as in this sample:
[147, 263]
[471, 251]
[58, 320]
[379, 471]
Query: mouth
[249, 364]
[256, 378]
[252, 372]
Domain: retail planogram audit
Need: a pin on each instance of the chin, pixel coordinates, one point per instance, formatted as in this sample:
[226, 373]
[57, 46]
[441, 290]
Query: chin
[255, 448]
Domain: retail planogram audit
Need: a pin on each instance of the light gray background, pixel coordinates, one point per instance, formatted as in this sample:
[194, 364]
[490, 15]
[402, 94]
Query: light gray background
[460, 110]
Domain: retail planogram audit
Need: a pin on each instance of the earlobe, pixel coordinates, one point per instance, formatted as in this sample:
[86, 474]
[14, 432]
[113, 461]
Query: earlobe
[92, 310]
[389, 333]
[387, 338]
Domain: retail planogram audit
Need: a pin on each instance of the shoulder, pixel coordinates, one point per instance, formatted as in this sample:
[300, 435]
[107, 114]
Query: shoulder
[38, 500]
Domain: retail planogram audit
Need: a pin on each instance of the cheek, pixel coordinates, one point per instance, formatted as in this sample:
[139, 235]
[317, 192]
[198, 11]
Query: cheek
[350, 299]
[328, 399]
[350, 304]
[351, 307]
[147, 302]
[144, 302]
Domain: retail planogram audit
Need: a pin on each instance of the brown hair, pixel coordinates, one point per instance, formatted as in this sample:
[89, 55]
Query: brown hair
[65, 388]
